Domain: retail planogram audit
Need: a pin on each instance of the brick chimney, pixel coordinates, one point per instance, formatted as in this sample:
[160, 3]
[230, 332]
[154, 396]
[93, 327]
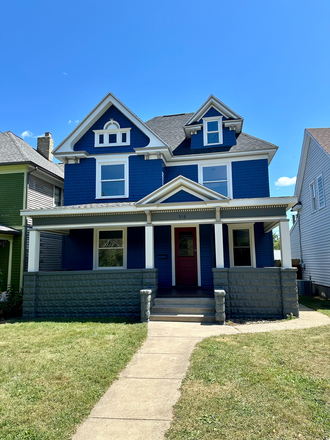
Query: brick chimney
[45, 146]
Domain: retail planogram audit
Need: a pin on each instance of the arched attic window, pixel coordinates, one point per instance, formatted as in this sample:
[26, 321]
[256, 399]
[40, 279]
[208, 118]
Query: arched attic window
[112, 135]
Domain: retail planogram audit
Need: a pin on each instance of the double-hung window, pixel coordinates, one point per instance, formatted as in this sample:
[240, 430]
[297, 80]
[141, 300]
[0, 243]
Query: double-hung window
[212, 129]
[241, 245]
[112, 179]
[313, 196]
[57, 196]
[110, 249]
[216, 178]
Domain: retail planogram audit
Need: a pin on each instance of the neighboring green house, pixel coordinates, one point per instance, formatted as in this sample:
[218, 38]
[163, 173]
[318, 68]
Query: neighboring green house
[28, 178]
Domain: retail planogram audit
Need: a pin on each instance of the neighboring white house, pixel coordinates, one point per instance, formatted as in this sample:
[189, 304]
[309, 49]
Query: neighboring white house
[310, 233]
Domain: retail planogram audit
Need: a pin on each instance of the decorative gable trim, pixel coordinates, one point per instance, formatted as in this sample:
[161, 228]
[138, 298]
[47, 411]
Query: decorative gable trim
[212, 101]
[184, 184]
[67, 145]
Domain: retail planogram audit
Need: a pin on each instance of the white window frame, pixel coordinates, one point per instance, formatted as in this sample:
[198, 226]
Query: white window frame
[99, 164]
[250, 227]
[313, 197]
[318, 192]
[220, 131]
[215, 163]
[117, 131]
[96, 248]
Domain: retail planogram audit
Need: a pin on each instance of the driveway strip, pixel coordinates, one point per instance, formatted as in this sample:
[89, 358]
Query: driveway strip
[138, 406]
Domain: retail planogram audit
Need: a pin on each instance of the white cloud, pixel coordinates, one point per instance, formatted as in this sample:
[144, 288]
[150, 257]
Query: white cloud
[27, 134]
[285, 181]
[64, 73]
[69, 121]
[76, 121]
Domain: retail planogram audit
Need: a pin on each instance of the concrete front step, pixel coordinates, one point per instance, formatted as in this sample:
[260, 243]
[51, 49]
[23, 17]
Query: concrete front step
[184, 317]
[183, 308]
[188, 301]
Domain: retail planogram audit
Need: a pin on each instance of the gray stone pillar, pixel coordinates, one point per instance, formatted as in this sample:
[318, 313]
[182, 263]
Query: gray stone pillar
[30, 285]
[289, 291]
[220, 306]
[147, 297]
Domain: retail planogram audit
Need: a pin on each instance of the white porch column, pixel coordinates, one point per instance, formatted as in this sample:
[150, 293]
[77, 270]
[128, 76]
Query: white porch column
[285, 244]
[218, 238]
[150, 260]
[10, 262]
[34, 251]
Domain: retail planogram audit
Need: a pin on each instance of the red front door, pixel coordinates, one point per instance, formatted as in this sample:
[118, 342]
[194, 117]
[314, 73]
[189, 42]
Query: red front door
[185, 257]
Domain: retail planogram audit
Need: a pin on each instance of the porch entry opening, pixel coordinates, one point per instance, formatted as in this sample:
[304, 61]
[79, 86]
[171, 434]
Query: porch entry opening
[185, 257]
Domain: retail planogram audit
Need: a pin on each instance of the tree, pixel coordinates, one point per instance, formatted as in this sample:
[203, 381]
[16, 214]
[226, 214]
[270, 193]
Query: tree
[276, 241]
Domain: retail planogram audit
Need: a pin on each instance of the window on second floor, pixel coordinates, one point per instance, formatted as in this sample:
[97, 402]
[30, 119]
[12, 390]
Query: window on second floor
[212, 129]
[112, 135]
[313, 196]
[216, 178]
[58, 193]
[111, 179]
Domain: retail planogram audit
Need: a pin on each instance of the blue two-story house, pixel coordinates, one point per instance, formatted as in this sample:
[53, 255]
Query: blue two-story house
[175, 207]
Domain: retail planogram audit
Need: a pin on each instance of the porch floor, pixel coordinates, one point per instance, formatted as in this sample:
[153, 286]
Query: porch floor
[185, 292]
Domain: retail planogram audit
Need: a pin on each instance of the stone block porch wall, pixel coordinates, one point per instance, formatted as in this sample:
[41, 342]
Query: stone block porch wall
[85, 294]
[258, 293]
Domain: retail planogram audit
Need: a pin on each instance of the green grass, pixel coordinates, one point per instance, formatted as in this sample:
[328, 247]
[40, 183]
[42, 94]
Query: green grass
[52, 373]
[314, 302]
[257, 386]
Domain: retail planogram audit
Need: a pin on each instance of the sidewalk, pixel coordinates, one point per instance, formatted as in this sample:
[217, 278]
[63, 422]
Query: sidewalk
[138, 406]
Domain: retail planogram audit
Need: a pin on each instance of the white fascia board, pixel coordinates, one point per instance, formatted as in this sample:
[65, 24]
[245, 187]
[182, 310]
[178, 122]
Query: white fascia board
[48, 178]
[165, 152]
[193, 159]
[302, 163]
[218, 105]
[180, 183]
[288, 202]
[67, 145]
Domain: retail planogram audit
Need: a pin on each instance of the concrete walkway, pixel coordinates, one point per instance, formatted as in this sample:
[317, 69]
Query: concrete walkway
[138, 406]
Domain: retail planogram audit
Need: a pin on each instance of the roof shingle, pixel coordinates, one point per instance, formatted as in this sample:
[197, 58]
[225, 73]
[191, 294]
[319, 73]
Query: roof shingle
[322, 136]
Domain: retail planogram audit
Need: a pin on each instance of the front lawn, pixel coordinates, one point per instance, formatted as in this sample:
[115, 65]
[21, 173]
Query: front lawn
[52, 373]
[315, 302]
[257, 386]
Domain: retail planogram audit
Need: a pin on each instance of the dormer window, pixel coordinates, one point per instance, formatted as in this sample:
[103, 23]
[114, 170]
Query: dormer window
[212, 128]
[112, 135]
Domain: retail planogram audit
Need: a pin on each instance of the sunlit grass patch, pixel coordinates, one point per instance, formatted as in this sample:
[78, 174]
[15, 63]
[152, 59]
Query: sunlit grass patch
[314, 302]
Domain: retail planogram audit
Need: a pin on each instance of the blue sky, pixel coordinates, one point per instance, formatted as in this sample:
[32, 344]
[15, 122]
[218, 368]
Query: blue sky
[267, 60]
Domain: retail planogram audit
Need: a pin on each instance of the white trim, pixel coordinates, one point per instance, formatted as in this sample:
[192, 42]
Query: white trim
[221, 107]
[34, 251]
[96, 247]
[149, 247]
[219, 250]
[109, 161]
[318, 191]
[185, 225]
[285, 243]
[288, 201]
[250, 227]
[217, 163]
[106, 132]
[217, 119]
[67, 145]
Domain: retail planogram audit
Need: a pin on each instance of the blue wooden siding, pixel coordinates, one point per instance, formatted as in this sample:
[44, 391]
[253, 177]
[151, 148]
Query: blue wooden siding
[162, 239]
[136, 248]
[145, 176]
[211, 113]
[206, 238]
[182, 196]
[250, 179]
[78, 250]
[86, 142]
[189, 171]
[264, 246]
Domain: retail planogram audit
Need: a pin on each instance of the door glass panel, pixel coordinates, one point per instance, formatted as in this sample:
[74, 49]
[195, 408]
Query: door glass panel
[241, 244]
[186, 244]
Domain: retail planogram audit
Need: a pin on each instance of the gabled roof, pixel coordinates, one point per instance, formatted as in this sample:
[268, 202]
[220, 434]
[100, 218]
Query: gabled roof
[322, 138]
[8, 231]
[181, 183]
[14, 150]
[212, 101]
[67, 145]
